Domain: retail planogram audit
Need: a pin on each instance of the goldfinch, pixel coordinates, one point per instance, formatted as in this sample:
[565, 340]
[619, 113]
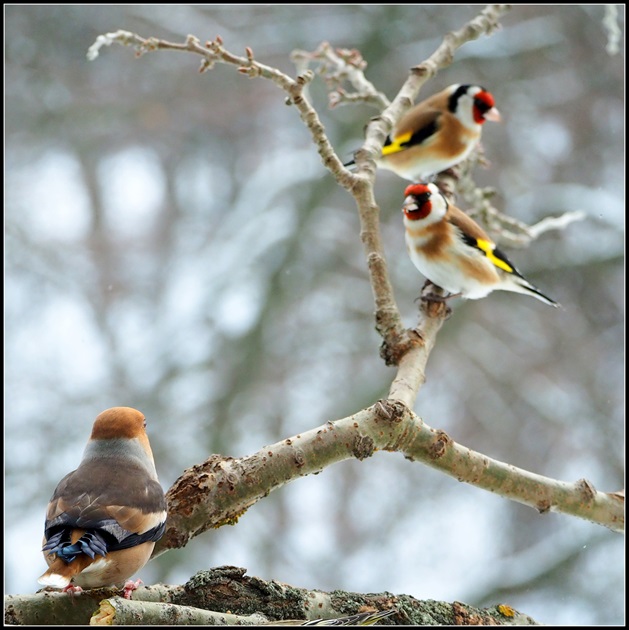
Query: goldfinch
[104, 518]
[437, 133]
[452, 250]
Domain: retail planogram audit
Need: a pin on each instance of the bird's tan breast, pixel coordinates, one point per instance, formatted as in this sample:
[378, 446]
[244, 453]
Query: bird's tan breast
[454, 137]
[437, 245]
[432, 241]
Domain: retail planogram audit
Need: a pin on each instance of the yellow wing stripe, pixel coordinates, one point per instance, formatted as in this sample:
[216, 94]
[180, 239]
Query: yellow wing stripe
[488, 248]
[397, 144]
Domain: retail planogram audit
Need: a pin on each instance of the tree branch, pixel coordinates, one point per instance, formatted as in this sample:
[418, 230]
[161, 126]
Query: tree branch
[337, 66]
[507, 230]
[218, 491]
[227, 596]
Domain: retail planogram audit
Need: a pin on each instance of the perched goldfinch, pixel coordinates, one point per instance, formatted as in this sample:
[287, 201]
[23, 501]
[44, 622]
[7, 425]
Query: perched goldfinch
[104, 518]
[360, 619]
[438, 132]
[452, 250]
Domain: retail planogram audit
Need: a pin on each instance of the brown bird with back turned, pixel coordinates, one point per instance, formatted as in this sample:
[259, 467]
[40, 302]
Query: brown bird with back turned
[104, 518]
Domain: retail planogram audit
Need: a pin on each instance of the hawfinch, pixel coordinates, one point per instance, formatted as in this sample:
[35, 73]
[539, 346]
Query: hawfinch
[104, 518]
[452, 250]
[437, 133]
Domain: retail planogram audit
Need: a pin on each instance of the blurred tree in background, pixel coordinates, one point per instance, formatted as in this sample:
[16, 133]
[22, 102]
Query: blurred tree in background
[174, 244]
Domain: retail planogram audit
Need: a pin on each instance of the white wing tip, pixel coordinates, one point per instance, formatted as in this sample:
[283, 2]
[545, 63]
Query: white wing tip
[54, 579]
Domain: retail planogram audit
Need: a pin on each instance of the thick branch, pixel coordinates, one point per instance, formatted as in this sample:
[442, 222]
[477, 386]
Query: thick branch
[221, 489]
[227, 596]
[416, 347]
[123, 612]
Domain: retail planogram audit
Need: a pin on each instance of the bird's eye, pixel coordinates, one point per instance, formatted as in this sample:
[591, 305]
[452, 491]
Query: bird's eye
[484, 101]
[423, 199]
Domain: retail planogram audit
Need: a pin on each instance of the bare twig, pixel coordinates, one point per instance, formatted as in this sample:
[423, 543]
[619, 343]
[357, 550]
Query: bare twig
[555, 223]
[337, 67]
[506, 229]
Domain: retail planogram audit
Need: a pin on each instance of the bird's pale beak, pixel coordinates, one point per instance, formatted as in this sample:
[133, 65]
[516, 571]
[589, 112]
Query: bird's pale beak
[493, 114]
[409, 205]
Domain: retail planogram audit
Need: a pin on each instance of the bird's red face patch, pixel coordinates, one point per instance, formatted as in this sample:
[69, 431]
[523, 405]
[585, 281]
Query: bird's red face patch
[417, 204]
[416, 189]
[483, 102]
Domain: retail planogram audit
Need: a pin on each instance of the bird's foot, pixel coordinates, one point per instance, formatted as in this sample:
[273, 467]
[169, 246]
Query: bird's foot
[72, 590]
[129, 587]
[436, 297]
[436, 304]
